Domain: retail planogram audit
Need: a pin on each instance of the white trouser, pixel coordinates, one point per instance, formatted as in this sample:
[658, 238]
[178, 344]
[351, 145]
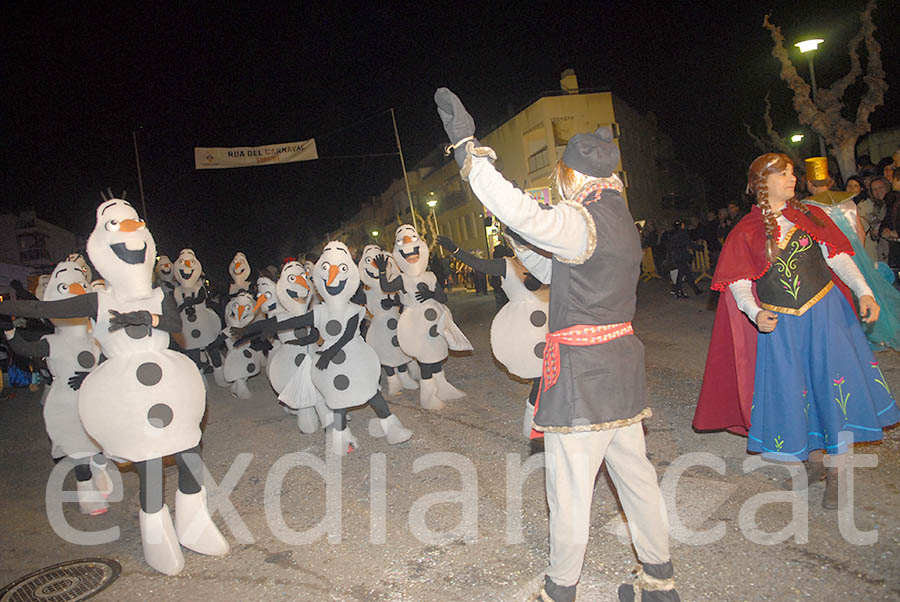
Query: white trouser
[573, 460]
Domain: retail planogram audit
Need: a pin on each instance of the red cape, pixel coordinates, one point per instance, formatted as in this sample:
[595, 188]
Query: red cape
[727, 391]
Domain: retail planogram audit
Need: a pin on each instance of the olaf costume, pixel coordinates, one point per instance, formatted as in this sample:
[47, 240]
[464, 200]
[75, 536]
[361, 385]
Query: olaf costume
[426, 330]
[519, 330]
[145, 401]
[200, 324]
[239, 271]
[242, 361]
[71, 353]
[384, 311]
[165, 273]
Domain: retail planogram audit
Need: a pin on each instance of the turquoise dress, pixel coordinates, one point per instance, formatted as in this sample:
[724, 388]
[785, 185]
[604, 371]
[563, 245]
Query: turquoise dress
[884, 333]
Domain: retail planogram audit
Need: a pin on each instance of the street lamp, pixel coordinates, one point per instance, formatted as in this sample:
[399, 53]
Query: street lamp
[432, 203]
[374, 233]
[810, 46]
[797, 138]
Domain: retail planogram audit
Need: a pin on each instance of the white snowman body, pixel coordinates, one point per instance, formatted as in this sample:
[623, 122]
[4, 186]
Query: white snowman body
[72, 349]
[519, 330]
[201, 326]
[351, 378]
[241, 362]
[419, 329]
[145, 401]
[293, 293]
[382, 333]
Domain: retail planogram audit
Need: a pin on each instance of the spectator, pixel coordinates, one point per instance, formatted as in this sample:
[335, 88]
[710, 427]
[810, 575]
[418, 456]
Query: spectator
[855, 186]
[890, 225]
[871, 213]
[679, 257]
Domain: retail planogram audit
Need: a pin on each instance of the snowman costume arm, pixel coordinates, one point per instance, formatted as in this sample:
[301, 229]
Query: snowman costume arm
[79, 306]
[491, 267]
[387, 286]
[538, 265]
[26, 348]
[170, 318]
[326, 355]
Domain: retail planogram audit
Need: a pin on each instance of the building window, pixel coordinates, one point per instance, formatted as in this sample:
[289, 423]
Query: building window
[538, 160]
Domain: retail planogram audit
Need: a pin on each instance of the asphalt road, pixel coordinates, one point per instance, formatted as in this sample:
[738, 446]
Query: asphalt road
[447, 515]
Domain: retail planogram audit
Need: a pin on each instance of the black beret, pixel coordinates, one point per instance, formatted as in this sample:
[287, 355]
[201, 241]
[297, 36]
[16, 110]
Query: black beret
[594, 154]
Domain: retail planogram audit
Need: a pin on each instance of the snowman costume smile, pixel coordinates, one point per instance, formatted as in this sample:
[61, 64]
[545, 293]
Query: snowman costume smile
[239, 271]
[241, 361]
[200, 324]
[346, 370]
[71, 354]
[382, 332]
[145, 401]
[426, 330]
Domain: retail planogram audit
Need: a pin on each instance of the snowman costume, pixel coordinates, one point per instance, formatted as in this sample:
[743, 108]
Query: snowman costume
[384, 312]
[145, 401]
[239, 271]
[82, 263]
[200, 324]
[315, 296]
[164, 273]
[43, 279]
[519, 329]
[242, 361]
[289, 369]
[347, 370]
[71, 353]
[426, 330]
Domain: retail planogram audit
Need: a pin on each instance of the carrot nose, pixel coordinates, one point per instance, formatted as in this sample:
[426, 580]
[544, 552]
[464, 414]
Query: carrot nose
[259, 301]
[130, 225]
[332, 272]
[406, 240]
[240, 311]
[302, 281]
[187, 263]
[76, 289]
[237, 265]
[372, 263]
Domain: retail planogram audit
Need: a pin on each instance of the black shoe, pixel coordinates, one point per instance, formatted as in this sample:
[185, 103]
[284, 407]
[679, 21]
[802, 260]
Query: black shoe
[680, 295]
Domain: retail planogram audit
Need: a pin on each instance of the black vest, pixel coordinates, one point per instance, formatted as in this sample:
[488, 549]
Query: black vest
[798, 277]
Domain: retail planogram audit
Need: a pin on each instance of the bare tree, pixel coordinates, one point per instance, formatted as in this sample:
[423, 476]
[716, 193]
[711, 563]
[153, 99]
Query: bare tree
[773, 142]
[824, 115]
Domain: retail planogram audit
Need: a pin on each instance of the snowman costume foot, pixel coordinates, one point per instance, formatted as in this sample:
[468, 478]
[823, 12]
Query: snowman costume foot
[341, 442]
[390, 428]
[90, 501]
[394, 386]
[102, 481]
[161, 548]
[219, 376]
[239, 389]
[445, 390]
[307, 420]
[406, 379]
[428, 398]
[194, 526]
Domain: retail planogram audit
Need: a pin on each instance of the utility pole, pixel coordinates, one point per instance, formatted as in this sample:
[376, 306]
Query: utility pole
[137, 160]
[412, 211]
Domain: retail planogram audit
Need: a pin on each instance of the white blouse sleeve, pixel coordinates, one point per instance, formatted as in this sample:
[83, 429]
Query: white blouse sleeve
[843, 265]
[742, 291]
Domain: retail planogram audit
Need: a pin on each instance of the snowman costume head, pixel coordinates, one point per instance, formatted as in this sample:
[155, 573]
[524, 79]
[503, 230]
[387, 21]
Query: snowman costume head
[335, 274]
[165, 270]
[266, 299]
[239, 268]
[67, 280]
[188, 269]
[81, 261]
[293, 289]
[410, 252]
[240, 310]
[123, 250]
[43, 279]
[368, 271]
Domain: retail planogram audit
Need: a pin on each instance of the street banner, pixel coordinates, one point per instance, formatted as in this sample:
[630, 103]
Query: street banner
[250, 156]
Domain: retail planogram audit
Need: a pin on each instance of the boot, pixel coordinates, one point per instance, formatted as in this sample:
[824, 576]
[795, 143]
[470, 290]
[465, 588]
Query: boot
[307, 420]
[341, 443]
[407, 380]
[239, 389]
[161, 549]
[219, 376]
[393, 430]
[679, 294]
[652, 583]
[526, 420]
[446, 391]
[830, 499]
[102, 481]
[428, 398]
[394, 386]
[815, 473]
[90, 501]
[551, 592]
[194, 526]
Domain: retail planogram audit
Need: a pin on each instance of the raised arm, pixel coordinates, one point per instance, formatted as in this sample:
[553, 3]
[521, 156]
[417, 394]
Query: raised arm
[491, 267]
[388, 286]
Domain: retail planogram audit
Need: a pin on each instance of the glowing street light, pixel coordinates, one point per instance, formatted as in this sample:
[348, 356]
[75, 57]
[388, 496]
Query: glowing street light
[432, 203]
[374, 233]
[810, 46]
[796, 138]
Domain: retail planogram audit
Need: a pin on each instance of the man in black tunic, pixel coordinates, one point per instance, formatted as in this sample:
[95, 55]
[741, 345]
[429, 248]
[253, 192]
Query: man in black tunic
[593, 392]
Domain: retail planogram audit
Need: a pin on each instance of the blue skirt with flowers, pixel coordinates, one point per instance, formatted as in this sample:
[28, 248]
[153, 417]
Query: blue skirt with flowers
[815, 377]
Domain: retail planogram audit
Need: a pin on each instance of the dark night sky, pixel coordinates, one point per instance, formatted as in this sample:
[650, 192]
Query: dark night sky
[78, 82]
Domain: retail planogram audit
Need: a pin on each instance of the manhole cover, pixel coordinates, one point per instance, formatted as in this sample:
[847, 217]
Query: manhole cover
[65, 582]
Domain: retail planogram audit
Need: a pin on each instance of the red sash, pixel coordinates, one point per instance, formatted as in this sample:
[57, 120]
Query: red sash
[580, 335]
